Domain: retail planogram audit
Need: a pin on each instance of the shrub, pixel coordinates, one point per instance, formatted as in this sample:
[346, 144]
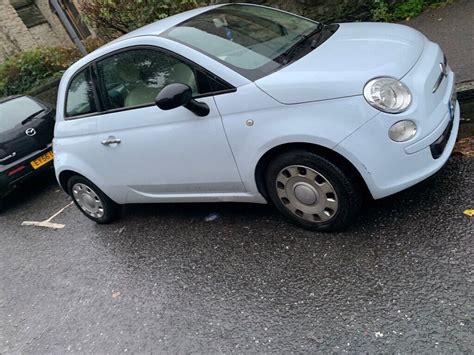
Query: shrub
[381, 11]
[28, 69]
[408, 9]
[384, 10]
[112, 18]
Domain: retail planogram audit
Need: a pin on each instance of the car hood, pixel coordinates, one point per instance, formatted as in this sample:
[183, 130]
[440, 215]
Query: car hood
[342, 65]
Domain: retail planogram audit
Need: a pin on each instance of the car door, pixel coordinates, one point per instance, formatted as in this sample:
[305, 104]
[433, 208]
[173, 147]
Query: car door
[160, 155]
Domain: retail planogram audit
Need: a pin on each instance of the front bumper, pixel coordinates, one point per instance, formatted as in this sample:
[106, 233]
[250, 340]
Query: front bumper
[9, 178]
[388, 167]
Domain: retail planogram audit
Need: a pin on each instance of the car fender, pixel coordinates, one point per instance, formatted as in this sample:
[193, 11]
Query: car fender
[302, 140]
[255, 123]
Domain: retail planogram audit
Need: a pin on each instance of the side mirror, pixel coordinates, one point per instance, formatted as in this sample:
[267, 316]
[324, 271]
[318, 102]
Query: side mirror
[176, 95]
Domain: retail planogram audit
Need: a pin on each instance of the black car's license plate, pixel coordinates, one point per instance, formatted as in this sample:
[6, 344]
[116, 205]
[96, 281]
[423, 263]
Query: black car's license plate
[42, 160]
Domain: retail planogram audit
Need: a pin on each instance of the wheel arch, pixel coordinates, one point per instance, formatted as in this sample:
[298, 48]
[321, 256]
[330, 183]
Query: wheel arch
[325, 152]
[64, 177]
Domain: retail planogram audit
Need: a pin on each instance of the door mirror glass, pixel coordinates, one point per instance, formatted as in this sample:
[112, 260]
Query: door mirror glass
[177, 95]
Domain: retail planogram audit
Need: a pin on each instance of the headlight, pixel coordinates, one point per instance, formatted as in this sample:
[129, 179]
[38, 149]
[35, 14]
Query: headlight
[402, 131]
[387, 95]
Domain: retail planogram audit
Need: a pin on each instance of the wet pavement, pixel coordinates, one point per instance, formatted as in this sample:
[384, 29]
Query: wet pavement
[163, 279]
[212, 278]
[452, 27]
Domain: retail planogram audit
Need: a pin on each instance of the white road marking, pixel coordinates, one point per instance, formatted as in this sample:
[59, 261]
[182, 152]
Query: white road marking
[47, 223]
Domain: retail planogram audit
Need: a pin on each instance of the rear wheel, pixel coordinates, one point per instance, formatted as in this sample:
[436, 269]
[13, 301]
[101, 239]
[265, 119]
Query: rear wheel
[91, 201]
[313, 191]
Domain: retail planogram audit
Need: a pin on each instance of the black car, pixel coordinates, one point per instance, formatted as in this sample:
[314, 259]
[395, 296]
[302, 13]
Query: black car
[26, 134]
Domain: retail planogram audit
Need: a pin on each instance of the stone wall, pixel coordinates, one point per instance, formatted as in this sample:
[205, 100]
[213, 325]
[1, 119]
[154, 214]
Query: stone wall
[15, 36]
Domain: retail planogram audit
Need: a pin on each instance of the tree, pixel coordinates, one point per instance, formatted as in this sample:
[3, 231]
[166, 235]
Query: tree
[112, 18]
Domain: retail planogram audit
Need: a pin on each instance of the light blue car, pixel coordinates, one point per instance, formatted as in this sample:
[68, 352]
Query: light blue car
[245, 103]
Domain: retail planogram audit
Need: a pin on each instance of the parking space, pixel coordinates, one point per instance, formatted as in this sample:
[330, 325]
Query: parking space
[167, 278]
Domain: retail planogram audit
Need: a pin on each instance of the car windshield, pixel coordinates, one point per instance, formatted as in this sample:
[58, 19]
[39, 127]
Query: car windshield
[252, 40]
[13, 112]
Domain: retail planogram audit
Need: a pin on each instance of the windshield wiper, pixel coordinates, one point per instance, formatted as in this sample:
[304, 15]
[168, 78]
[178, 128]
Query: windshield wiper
[30, 117]
[288, 55]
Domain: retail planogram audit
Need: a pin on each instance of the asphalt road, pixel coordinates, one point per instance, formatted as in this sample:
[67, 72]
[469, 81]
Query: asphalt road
[163, 279]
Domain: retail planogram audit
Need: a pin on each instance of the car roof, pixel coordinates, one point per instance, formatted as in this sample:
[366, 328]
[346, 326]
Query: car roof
[158, 27]
[153, 29]
[8, 98]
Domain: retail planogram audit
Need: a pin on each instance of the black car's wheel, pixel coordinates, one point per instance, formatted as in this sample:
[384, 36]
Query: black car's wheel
[313, 191]
[92, 202]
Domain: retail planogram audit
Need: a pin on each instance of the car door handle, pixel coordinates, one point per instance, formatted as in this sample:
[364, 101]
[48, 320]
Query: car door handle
[111, 140]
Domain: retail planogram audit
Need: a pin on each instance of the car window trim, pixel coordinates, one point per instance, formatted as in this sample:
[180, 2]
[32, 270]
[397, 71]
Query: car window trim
[97, 86]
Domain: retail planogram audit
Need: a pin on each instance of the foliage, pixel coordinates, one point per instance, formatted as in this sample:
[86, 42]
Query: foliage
[28, 69]
[92, 43]
[409, 9]
[383, 10]
[112, 18]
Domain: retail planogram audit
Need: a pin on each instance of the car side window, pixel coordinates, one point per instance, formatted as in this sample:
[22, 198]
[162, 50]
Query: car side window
[135, 77]
[80, 97]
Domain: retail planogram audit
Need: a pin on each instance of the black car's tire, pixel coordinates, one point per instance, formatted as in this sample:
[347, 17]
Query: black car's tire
[313, 191]
[91, 201]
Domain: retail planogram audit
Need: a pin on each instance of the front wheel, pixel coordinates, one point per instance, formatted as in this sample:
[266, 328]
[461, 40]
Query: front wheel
[91, 201]
[313, 191]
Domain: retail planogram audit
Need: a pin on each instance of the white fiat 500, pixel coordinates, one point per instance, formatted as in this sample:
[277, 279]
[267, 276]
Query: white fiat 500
[245, 103]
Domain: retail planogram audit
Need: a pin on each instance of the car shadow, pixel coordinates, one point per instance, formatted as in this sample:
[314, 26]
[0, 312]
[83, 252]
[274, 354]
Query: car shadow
[263, 219]
[388, 211]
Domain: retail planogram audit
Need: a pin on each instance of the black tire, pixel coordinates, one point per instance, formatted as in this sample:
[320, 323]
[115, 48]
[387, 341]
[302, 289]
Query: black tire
[346, 195]
[110, 209]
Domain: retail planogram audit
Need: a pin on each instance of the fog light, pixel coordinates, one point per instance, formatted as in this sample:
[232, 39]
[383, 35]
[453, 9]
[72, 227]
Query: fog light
[402, 131]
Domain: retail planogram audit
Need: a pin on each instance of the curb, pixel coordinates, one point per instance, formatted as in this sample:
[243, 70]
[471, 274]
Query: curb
[465, 90]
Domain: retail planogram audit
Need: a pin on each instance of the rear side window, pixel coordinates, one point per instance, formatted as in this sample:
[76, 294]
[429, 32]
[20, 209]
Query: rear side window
[80, 96]
[14, 112]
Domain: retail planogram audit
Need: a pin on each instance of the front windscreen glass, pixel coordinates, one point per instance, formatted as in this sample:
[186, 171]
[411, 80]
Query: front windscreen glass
[252, 40]
[13, 112]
